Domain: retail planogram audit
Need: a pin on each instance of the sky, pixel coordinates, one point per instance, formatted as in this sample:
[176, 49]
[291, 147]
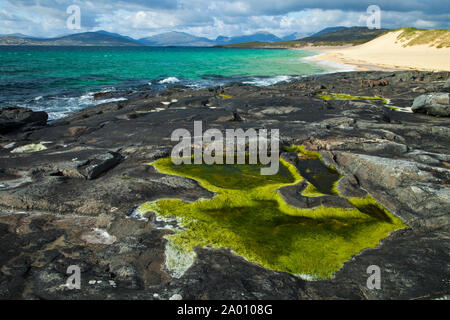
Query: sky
[211, 18]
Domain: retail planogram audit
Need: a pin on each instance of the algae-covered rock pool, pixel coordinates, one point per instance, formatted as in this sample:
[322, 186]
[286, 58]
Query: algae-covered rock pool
[249, 216]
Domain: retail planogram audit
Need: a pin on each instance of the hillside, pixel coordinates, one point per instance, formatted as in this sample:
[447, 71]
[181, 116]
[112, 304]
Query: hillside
[256, 37]
[79, 39]
[335, 36]
[328, 30]
[180, 39]
[353, 34]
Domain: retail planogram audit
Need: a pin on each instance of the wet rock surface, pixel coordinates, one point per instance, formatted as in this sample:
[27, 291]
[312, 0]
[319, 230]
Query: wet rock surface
[68, 204]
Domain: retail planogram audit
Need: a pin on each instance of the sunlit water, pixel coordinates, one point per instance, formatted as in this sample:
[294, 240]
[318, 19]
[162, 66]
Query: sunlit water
[60, 80]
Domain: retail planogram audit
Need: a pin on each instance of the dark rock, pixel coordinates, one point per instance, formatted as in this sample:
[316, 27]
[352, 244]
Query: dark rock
[447, 84]
[435, 104]
[13, 118]
[414, 191]
[236, 116]
[101, 95]
[374, 83]
[400, 159]
[102, 163]
[293, 196]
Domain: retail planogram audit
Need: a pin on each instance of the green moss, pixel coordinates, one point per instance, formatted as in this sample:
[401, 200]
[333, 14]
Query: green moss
[311, 191]
[301, 149]
[310, 164]
[340, 96]
[248, 216]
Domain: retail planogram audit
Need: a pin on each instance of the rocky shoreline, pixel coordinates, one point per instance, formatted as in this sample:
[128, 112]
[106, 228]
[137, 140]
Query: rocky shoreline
[67, 188]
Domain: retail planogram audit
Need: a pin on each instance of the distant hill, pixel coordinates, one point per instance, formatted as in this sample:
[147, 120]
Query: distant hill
[292, 36]
[17, 35]
[257, 37]
[79, 39]
[334, 36]
[115, 35]
[353, 34]
[329, 36]
[174, 38]
[327, 30]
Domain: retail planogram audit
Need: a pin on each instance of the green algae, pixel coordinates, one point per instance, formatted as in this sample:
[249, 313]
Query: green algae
[340, 96]
[34, 147]
[248, 216]
[301, 149]
[321, 178]
[311, 191]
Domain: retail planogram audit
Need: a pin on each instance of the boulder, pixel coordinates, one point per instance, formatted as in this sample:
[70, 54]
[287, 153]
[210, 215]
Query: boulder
[415, 192]
[436, 104]
[447, 85]
[101, 95]
[100, 164]
[13, 118]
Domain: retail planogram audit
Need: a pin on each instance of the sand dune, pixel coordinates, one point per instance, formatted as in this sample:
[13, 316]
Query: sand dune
[388, 51]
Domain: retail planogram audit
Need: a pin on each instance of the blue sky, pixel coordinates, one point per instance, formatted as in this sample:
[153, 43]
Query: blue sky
[210, 18]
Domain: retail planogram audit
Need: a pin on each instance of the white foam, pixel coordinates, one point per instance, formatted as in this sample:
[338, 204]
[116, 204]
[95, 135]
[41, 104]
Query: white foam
[169, 80]
[110, 100]
[331, 66]
[60, 107]
[264, 82]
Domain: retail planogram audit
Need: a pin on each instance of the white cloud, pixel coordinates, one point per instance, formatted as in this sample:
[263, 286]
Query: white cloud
[210, 18]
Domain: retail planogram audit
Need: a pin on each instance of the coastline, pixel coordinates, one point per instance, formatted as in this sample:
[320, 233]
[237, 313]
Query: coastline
[325, 57]
[386, 53]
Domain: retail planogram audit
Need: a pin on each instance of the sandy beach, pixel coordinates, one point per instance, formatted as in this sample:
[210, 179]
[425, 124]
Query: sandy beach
[385, 53]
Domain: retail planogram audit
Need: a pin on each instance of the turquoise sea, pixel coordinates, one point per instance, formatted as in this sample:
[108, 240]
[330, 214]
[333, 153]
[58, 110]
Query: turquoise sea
[60, 80]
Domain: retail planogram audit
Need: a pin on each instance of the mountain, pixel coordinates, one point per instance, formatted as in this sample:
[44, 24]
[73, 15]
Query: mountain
[328, 30]
[115, 35]
[292, 36]
[79, 39]
[95, 39]
[17, 35]
[256, 37]
[333, 35]
[353, 34]
[179, 39]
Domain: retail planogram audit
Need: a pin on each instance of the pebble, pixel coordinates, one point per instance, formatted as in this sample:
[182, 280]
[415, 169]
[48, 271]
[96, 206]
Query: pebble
[176, 296]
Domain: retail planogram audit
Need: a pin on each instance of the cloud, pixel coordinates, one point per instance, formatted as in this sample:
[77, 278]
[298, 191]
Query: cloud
[210, 18]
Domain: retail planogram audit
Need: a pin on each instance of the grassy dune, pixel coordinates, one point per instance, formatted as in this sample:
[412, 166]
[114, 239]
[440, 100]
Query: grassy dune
[439, 38]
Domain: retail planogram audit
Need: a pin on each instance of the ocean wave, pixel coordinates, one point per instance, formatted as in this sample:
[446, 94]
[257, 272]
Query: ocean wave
[331, 66]
[169, 80]
[60, 107]
[264, 82]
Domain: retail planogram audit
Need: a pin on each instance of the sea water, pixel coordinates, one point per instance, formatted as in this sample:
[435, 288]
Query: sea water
[61, 80]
